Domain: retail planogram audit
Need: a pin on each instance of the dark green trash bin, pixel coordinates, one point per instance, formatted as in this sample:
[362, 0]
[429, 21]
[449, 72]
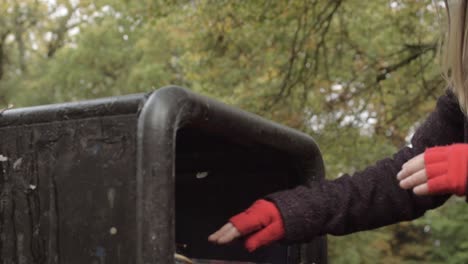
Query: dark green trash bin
[132, 179]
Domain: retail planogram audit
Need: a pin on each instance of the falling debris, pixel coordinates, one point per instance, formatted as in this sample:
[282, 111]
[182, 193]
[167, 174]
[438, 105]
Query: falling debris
[201, 175]
[3, 158]
[113, 231]
[17, 163]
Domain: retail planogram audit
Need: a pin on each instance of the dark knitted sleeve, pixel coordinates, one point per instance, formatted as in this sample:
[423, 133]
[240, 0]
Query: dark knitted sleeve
[370, 198]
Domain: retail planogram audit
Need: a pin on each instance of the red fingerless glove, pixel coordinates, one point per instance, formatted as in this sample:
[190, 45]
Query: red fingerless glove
[264, 217]
[446, 169]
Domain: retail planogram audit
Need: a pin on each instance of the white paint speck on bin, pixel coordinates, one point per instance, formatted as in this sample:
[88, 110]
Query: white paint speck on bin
[201, 175]
[17, 163]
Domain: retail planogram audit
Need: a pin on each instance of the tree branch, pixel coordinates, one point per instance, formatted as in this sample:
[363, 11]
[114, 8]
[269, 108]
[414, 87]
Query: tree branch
[416, 52]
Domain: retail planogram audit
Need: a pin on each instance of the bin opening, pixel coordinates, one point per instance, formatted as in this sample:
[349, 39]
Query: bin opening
[217, 178]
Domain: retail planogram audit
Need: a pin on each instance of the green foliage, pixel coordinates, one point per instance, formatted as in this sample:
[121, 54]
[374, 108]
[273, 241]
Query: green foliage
[356, 75]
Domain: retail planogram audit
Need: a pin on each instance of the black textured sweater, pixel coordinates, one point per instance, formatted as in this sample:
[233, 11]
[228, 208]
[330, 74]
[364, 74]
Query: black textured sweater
[370, 198]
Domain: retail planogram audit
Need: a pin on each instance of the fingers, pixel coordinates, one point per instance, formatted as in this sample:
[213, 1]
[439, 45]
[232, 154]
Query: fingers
[414, 180]
[229, 236]
[422, 189]
[226, 234]
[412, 166]
[414, 176]
[216, 235]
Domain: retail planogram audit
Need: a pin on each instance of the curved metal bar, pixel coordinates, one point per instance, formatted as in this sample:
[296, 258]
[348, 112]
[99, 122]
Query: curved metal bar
[171, 108]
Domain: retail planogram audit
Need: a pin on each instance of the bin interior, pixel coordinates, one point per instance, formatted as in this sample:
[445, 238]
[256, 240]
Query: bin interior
[216, 178]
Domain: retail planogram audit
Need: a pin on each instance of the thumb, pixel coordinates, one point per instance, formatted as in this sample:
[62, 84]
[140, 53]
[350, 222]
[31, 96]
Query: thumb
[265, 236]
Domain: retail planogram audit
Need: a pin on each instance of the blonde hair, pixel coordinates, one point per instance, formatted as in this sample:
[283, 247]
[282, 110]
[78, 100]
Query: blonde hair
[455, 51]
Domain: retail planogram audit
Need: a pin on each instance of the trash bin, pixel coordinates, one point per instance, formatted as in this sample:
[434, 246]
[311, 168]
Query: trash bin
[135, 179]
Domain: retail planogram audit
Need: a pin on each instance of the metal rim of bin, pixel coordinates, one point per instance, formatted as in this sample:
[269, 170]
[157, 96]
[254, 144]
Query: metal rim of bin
[122, 105]
[165, 112]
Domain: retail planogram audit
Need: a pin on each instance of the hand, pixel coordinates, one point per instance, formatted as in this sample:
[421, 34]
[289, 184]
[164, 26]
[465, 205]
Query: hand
[440, 170]
[261, 222]
[413, 176]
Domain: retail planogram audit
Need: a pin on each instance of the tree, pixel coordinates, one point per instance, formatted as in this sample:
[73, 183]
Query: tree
[363, 72]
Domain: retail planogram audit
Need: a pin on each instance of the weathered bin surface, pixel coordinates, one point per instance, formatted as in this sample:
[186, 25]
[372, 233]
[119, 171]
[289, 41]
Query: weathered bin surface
[132, 179]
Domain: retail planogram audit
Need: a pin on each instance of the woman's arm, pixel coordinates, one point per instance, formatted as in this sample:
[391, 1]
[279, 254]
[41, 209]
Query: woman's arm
[370, 198]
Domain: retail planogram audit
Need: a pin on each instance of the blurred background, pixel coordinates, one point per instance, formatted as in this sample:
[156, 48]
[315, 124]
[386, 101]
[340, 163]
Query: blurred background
[358, 76]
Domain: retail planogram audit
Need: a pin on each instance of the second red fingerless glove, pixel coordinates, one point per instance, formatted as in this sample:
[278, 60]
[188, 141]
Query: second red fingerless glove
[447, 169]
[264, 217]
